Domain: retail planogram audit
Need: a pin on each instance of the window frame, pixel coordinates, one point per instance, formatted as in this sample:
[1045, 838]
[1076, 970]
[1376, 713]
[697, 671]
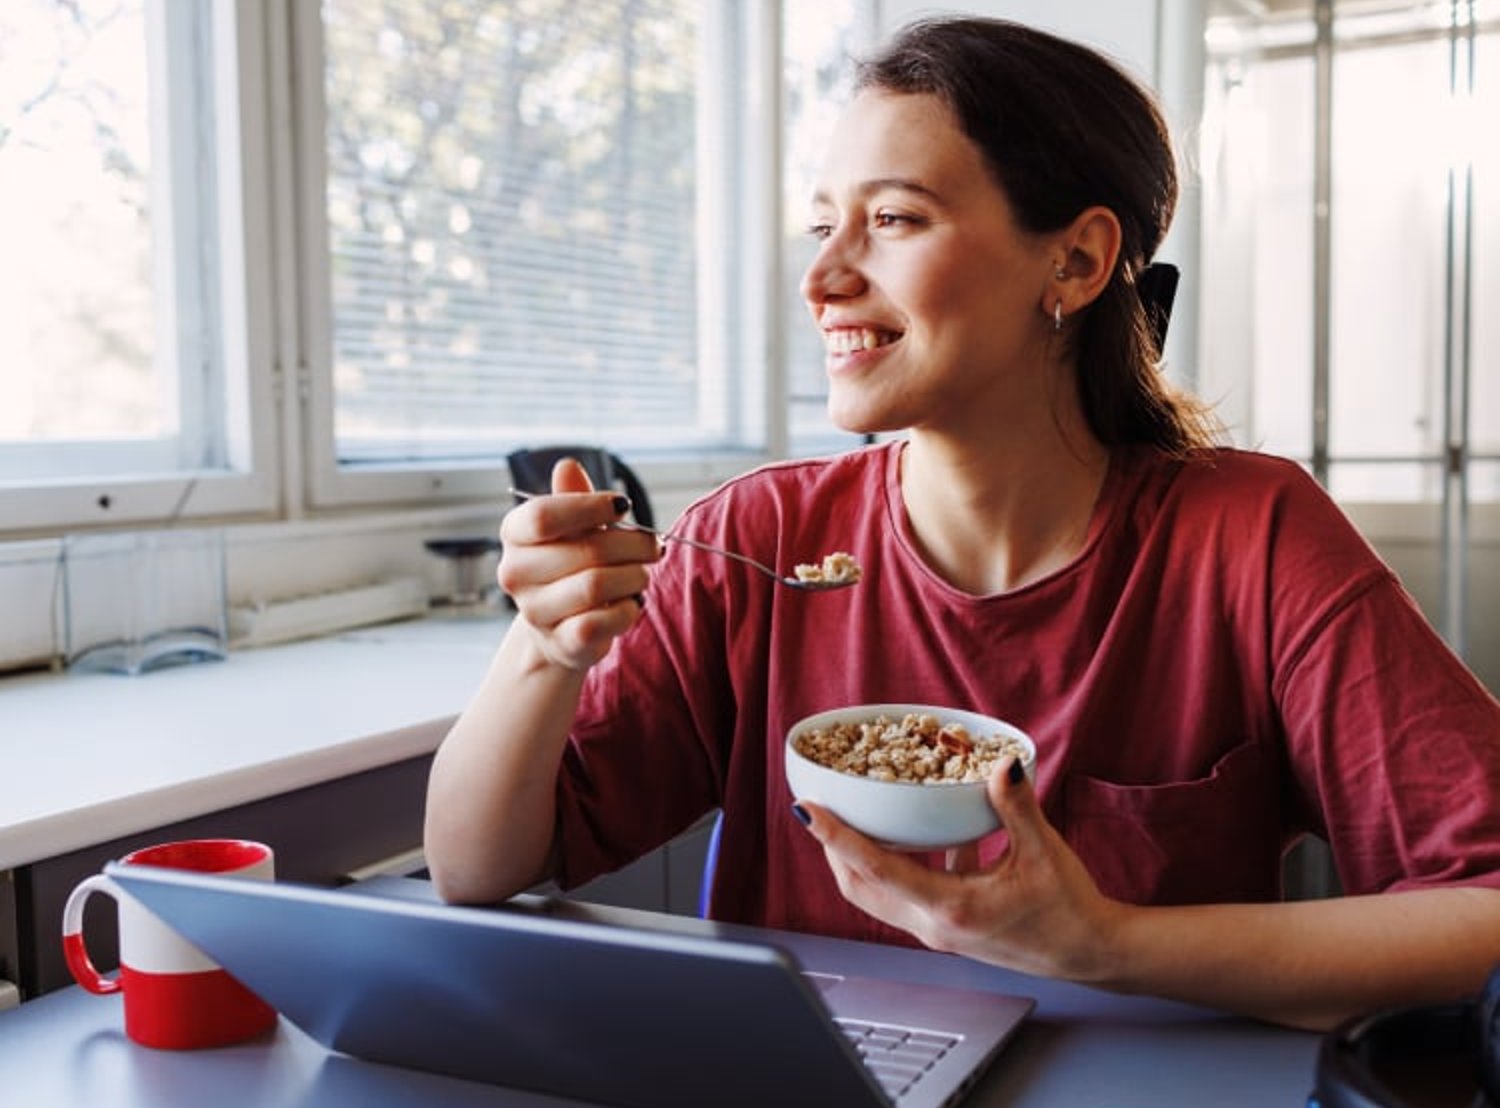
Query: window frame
[121, 491]
[1293, 37]
[275, 324]
[752, 410]
[1464, 520]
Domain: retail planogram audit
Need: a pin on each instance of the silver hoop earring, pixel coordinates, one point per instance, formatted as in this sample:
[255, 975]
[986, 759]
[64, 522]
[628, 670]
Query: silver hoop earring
[1057, 316]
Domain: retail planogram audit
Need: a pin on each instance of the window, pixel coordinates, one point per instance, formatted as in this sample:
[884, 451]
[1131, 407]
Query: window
[511, 207]
[545, 223]
[292, 255]
[1351, 236]
[821, 39]
[1409, 364]
[120, 288]
[76, 153]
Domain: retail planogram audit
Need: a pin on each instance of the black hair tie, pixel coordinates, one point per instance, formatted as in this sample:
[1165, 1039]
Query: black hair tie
[1156, 285]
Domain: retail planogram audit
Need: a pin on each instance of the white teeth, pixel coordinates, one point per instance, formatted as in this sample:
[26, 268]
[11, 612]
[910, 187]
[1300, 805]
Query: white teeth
[851, 340]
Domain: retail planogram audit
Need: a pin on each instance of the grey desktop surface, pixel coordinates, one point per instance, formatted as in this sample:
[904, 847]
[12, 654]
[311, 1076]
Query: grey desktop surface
[1080, 1047]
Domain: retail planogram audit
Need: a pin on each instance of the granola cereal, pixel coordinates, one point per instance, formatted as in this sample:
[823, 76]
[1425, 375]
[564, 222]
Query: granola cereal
[838, 568]
[920, 749]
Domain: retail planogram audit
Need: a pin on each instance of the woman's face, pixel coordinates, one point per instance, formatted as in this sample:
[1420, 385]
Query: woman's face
[930, 299]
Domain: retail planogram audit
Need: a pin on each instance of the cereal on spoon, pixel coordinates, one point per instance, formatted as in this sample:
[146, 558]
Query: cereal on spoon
[838, 568]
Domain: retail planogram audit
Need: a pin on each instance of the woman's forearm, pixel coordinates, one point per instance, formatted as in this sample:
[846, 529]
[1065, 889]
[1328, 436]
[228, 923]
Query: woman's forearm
[491, 813]
[1311, 963]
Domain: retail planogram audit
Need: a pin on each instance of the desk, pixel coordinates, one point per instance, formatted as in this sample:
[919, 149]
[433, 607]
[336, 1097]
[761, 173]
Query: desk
[1080, 1048]
[294, 745]
[94, 757]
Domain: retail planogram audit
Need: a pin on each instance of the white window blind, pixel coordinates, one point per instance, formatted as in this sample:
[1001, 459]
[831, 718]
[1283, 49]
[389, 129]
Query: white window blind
[511, 215]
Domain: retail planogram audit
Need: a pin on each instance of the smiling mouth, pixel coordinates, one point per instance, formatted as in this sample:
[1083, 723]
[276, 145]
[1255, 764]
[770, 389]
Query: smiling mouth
[854, 340]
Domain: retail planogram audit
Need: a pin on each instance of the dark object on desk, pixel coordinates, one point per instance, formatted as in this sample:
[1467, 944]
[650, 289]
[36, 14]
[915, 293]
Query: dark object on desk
[525, 996]
[531, 471]
[1446, 1054]
[465, 554]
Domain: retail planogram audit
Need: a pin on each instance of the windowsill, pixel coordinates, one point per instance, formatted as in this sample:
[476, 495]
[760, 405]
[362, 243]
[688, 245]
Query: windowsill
[91, 757]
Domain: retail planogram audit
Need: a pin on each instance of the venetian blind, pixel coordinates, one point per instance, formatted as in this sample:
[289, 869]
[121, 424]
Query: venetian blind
[511, 198]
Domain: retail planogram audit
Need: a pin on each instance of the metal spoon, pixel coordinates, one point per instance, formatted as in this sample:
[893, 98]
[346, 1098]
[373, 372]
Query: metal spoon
[810, 584]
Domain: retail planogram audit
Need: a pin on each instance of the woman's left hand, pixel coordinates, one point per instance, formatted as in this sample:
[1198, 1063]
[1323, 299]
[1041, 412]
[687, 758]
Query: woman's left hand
[1306, 963]
[1034, 909]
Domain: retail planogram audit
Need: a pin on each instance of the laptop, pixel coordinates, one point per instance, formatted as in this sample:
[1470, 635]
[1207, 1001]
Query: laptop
[539, 994]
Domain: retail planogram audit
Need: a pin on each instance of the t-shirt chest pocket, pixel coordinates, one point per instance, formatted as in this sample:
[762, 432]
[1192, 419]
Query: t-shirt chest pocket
[1215, 838]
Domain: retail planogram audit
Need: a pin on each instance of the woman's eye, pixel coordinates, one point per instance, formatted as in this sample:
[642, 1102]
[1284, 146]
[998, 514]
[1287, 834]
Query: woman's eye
[823, 229]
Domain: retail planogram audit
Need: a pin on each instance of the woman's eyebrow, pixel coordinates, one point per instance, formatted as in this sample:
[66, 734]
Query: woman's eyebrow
[883, 184]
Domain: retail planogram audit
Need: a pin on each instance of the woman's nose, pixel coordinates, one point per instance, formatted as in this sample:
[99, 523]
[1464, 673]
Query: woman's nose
[830, 276]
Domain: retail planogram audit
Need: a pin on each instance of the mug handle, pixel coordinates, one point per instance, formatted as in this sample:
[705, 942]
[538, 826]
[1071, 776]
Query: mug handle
[75, 951]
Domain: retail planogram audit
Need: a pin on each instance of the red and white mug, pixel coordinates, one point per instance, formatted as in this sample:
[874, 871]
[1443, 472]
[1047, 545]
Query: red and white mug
[175, 997]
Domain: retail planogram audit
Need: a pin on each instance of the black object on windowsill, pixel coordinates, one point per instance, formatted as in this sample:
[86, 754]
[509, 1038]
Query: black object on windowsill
[465, 554]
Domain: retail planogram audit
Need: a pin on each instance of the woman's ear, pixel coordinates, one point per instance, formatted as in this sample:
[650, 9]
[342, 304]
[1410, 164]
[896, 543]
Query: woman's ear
[1088, 251]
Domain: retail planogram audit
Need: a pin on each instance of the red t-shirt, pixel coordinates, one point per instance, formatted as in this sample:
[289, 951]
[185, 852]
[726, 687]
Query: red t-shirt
[1224, 666]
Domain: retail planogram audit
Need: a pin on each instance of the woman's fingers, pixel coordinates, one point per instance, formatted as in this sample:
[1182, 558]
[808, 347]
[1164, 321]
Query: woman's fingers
[577, 581]
[604, 563]
[546, 519]
[580, 641]
[578, 589]
[959, 906]
[888, 884]
[1011, 795]
[568, 475]
[567, 539]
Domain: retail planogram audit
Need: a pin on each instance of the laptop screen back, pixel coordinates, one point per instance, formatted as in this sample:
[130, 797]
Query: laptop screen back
[599, 1013]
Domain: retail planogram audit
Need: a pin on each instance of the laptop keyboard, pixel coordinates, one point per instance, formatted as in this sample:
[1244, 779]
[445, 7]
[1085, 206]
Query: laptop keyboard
[898, 1056]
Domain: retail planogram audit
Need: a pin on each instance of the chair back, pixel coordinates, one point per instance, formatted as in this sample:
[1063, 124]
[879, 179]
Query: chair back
[531, 471]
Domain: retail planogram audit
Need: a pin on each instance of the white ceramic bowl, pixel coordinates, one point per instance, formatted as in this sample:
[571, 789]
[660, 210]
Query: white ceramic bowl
[901, 813]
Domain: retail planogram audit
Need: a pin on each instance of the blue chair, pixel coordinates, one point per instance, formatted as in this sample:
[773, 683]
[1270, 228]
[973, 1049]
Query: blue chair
[710, 863]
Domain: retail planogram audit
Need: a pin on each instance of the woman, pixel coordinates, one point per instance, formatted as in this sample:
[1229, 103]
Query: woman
[1210, 660]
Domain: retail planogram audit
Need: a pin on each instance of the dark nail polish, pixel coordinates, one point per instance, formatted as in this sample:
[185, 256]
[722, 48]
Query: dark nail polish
[621, 505]
[802, 814]
[640, 599]
[1017, 772]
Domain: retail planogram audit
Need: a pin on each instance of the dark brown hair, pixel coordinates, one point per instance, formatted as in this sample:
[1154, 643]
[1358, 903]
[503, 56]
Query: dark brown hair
[1062, 128]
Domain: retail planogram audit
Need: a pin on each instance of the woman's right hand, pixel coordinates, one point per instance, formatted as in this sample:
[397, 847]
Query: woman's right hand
[578, 584]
